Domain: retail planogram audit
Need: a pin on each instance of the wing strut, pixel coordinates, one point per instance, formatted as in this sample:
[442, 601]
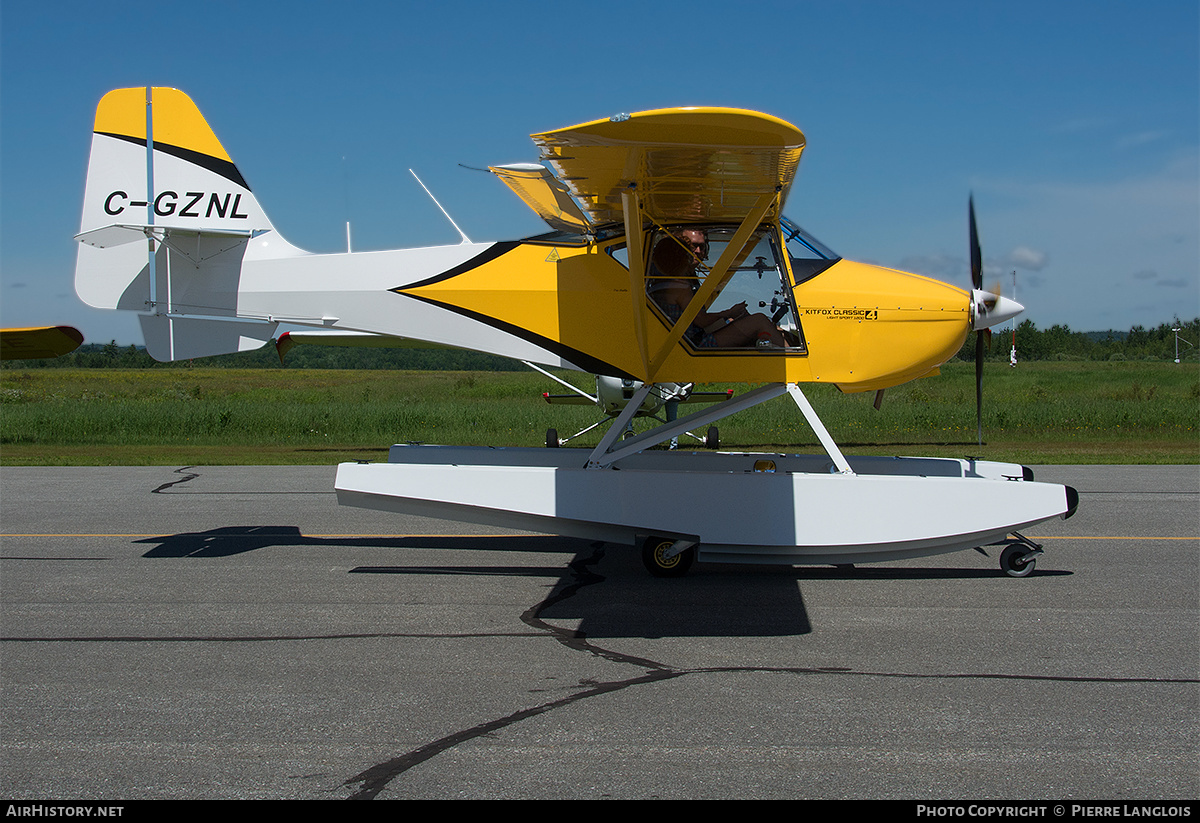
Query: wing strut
[605, 455]
[810, 414]
[631, 205]
[558, 379]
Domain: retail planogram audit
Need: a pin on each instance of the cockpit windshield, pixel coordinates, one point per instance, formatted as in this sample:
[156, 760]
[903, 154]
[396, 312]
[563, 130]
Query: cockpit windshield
[801, 244]
[809, 256]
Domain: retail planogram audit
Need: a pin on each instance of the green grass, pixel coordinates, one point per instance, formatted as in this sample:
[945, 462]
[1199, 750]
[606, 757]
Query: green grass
[1038, 413]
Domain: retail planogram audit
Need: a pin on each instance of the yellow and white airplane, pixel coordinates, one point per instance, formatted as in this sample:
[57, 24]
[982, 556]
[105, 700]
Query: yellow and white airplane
[669, 260]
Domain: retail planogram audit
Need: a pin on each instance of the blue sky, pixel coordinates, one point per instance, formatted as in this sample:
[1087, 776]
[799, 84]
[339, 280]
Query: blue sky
[1076, 124]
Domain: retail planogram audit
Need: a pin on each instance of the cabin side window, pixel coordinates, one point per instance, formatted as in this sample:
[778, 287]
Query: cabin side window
[749, 309]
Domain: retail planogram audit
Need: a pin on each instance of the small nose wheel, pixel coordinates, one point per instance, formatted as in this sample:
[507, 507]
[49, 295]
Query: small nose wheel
[1013, 562]
[1019, 556]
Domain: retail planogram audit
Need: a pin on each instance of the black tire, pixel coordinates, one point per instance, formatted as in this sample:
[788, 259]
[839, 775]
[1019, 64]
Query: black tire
[1011, 563]
[713, 440]
[552, 438]
[657, 565]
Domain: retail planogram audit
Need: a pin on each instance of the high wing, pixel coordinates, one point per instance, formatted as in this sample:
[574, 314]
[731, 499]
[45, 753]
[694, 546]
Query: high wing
[38, 342]
[686, 164]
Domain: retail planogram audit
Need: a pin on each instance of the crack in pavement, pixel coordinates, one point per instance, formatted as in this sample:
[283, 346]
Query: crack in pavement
[374, 780]
[184, 471]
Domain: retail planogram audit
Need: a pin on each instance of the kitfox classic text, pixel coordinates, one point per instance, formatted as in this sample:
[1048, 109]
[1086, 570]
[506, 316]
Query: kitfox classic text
[668, 261]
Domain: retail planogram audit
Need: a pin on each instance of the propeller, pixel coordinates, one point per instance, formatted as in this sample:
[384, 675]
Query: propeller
[976, 287]
[989, 308]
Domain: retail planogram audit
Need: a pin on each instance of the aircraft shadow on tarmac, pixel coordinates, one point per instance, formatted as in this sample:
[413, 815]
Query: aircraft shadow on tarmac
[604, 587]
[228, 541]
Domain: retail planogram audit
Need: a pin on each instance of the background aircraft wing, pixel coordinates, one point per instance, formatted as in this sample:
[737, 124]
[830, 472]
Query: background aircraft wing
[39, 342]
[688, 164]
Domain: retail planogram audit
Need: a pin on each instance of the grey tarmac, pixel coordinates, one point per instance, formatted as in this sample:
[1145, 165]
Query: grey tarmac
[230, 632]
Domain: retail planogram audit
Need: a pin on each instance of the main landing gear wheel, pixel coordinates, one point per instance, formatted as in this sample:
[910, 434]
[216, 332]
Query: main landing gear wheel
[552, 438]
[654, 557]
[1015, 563]
[713, 438]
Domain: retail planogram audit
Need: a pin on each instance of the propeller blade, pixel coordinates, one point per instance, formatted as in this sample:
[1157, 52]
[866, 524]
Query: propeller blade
[979, 385]
[976, 254]
[977, 285]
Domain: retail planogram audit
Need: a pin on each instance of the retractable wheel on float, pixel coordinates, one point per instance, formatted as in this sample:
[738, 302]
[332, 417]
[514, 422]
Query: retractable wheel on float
[663, 558]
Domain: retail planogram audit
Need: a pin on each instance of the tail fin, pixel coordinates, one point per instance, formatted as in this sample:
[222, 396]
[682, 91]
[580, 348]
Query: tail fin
[167, 220]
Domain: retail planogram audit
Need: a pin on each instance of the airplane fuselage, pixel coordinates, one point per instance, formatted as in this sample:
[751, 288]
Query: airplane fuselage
[564, 304]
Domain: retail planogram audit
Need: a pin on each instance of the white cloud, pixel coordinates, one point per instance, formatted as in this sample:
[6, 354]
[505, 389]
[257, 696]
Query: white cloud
[1023, 257]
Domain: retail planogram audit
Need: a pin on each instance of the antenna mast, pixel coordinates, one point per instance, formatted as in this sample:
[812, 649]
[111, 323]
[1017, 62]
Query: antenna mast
[465, 239]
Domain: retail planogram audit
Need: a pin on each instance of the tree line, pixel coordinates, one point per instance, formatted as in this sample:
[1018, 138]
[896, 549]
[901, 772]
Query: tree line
[1055, 343]
[1060, 343]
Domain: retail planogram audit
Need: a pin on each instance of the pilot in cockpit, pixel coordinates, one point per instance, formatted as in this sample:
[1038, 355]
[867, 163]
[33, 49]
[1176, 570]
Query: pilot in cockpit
[672, 283]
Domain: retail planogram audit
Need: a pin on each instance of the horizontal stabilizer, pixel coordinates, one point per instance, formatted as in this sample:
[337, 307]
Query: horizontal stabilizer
[119, 234]
[182, 338]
